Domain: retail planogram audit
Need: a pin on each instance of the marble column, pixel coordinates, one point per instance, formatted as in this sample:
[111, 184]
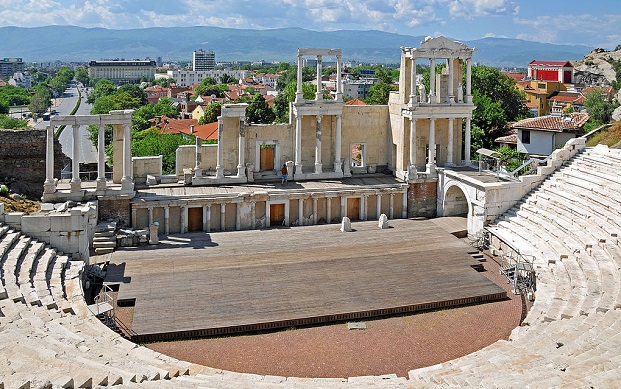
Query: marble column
[126, 180]
[298, 144]
[220, 155]
[469, 80]
[318, 165]
[413, 96]
[253, 215]
[432, 80]
[364, 207]
[338, 165]
[101, 157]
[449, 154]
[75, 160]
[391, 206]
[404, 204]
[49, 186]
[207, 218]
[300, 212]
[315, 210]
[412, 145]
[150, 215]
[223, 217]
[319, 93]
[328, 209]
[183, 213]
[339, 81]
[299, 95]
[241, 168]
[167, 220]
[198, 171]
[238, 216]
[451, 81]
[467, 140]
[431, 156]
[134, 219]
[378, 205]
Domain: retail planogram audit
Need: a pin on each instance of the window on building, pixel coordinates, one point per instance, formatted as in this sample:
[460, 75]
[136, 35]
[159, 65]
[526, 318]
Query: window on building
[358, 157]
[541, 86]
[526, 137]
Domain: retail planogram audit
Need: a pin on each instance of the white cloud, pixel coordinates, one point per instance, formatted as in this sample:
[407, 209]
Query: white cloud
[472, 8]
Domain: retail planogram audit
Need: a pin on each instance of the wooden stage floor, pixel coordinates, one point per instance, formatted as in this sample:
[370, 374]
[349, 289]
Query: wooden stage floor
[199, 284]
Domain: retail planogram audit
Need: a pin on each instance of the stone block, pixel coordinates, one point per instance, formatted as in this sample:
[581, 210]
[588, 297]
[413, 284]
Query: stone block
[153, 233]
[151, 180]
[346, 225]
[35, 223]
[14, 220]
[383, 221]
[61, 222]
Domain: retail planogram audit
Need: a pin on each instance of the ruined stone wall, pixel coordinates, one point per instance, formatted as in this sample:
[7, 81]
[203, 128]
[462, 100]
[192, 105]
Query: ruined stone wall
[22, 160]
[423, 198]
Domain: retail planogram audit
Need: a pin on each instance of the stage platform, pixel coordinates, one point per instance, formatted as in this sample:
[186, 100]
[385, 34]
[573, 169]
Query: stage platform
[203, 284]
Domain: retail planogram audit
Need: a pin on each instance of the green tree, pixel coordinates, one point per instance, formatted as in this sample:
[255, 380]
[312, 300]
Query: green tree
[164, 82]
[104, 87]
[4, 107]
[152, 142]
[259, 112]
[141, 116]
[10, 123]
[81, 75]
[379, 93]
[489, 116]
[599, 109]
[134, 91]
[211, 89]
[12, 95]
[41, 100]
[291, 75]
[227, 79]
[211, 113]
[287, 95]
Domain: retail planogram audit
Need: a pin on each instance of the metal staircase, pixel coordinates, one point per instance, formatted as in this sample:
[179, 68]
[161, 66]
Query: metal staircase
[520, 273]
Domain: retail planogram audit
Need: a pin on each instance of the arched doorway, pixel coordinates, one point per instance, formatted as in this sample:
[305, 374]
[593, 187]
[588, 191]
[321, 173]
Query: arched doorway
[455, 202]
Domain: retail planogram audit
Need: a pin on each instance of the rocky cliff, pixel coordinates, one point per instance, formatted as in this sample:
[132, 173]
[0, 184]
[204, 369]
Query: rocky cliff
[597, 67]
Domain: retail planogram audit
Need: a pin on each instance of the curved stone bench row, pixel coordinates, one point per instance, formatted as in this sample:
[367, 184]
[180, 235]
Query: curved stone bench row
[570, 336]
[59, 343]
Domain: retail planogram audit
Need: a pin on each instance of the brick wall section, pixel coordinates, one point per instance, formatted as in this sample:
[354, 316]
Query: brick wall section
[422, 198]
[22, 160]
[116, 209]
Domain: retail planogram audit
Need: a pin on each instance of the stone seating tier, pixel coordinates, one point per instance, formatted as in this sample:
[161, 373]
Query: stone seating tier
[569, 337]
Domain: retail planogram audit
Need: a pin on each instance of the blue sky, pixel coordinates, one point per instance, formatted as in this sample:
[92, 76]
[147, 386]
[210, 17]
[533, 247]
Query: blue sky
[593, 23]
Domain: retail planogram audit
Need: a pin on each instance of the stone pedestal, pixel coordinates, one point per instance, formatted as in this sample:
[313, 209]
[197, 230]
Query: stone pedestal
[346, 225]
[153, 233]
[383, 221]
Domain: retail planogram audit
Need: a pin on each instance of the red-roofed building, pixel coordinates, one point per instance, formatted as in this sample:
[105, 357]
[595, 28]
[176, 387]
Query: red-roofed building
[561, 71]
[542, 135]
[515, 76]
[510, 139]
[355, 102]
[155, 92]
[167, 125]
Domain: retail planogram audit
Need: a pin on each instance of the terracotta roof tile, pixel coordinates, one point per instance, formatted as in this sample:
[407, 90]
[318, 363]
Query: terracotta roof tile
[355, 102]
[182, 126]
[511, 137]
[573, 121]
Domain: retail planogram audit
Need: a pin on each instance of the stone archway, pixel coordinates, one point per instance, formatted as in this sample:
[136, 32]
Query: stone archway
[456, 202]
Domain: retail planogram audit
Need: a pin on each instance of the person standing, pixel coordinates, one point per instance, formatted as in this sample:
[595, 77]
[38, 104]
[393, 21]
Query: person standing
[283, 173]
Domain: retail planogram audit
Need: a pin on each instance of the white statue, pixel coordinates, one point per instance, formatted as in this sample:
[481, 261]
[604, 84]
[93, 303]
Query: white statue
[423, 93]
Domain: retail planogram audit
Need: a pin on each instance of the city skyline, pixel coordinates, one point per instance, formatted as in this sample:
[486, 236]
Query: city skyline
[459, 19]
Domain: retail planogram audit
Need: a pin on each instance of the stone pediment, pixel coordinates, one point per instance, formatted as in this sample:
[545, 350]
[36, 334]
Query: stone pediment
[442, 42]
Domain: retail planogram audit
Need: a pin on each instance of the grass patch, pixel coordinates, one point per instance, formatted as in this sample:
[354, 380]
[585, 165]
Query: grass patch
[609, 137]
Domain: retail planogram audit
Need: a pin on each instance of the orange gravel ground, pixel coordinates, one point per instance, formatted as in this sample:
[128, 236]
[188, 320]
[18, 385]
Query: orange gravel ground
[391, 345]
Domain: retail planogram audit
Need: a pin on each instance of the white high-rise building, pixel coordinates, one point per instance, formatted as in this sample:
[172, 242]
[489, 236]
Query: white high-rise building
[203, 60]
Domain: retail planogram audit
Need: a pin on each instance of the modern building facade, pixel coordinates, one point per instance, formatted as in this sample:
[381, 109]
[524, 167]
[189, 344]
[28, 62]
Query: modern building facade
[203, 60]
[192, 77]
[122, 72]
[10, 66]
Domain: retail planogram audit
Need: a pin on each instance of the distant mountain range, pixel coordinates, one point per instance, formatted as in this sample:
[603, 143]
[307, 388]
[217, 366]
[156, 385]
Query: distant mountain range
[69, 43]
